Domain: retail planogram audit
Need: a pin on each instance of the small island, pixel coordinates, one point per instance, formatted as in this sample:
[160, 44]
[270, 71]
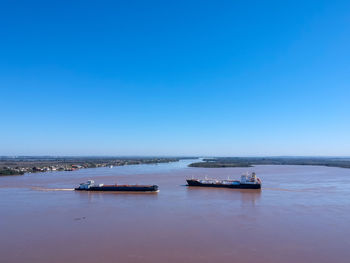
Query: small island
[218, 164]
[226, 162]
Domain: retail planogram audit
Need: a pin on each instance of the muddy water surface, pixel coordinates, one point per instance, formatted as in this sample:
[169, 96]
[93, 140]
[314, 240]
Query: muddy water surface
[302, 214]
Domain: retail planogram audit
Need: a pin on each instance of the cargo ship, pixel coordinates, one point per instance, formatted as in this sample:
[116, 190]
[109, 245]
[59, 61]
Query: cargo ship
[247, 181]
[91, 186]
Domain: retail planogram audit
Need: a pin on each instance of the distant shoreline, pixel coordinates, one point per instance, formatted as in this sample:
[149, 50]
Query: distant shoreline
[20, 165]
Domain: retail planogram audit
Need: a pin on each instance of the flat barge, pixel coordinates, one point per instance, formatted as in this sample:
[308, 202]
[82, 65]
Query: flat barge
[248, 181]
[91, 186]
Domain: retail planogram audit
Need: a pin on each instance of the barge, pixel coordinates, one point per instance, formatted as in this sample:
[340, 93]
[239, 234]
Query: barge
[247, 181]
[91, 186]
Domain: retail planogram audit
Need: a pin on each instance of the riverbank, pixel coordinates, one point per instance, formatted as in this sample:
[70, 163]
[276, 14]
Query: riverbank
[30, 164]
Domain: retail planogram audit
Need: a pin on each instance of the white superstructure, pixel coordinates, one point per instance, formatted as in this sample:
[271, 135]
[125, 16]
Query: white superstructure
[249, 179]
[245, 179]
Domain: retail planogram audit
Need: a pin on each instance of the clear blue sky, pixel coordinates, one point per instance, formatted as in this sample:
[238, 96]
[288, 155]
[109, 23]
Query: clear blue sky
[227, 78]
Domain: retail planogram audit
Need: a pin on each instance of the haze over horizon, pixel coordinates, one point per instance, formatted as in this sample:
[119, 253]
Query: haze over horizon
[189, 78]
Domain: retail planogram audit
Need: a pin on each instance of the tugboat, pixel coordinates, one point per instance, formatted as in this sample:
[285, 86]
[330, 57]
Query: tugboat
[248, 181]
[91, 186]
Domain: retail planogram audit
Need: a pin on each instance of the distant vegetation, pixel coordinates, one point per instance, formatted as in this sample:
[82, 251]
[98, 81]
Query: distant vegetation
[6, 171]
[218, 165]
[223, 162]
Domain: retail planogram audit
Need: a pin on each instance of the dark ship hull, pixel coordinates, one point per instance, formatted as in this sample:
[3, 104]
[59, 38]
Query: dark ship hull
[235, 185]
[121, 188]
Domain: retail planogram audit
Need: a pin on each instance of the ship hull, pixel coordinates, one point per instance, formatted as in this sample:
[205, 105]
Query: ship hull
[220, 185]
[121, 188]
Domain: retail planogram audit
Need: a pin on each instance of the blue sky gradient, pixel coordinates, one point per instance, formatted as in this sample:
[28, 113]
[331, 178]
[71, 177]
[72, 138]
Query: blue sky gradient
[218, 78]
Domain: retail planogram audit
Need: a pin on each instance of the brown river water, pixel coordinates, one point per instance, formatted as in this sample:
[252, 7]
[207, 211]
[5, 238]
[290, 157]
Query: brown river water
[302, 214]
